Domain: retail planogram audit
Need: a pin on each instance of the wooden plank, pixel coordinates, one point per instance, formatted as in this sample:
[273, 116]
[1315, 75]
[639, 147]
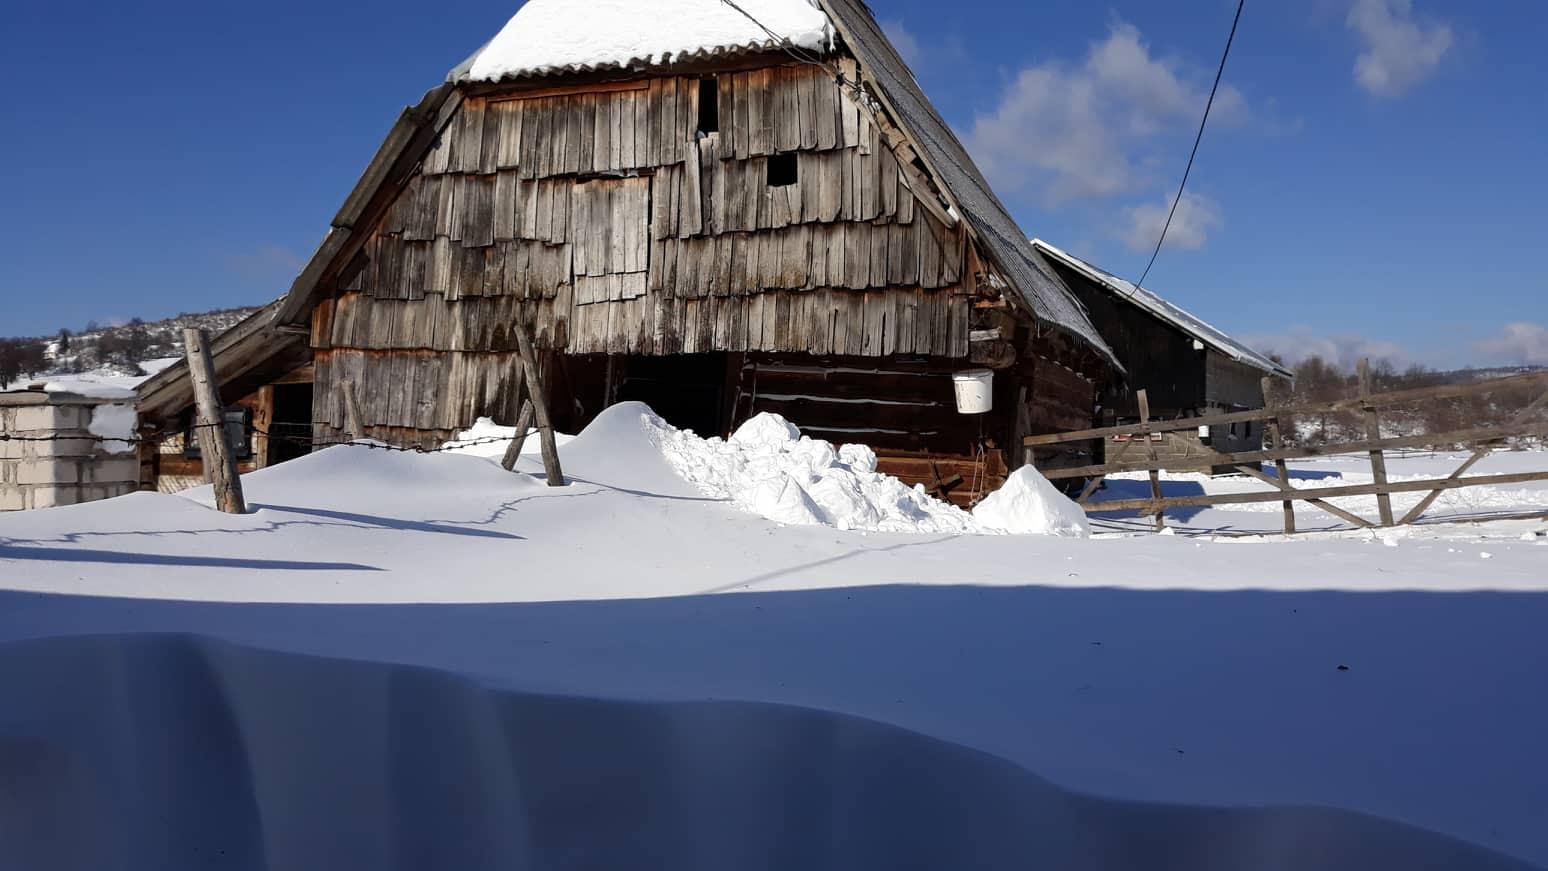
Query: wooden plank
[477, 210]
[570, 90]
[806, 82]
[1277, 440]
[509, 116]
[467, 155]
[1143, 396]
[1296, 453]
[1309, 493]
[1379, 400]
[1373, 433]
[578, 119]
[528, 356]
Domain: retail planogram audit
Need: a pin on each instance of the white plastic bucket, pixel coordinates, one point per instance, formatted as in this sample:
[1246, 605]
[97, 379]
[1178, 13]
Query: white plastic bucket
[975, 390]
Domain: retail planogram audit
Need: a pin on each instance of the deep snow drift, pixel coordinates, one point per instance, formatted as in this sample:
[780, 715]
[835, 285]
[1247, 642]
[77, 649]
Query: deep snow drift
[180, 753]
[862, 700]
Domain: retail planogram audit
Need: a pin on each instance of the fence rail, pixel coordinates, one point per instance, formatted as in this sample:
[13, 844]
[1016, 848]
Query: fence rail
[1483, 439]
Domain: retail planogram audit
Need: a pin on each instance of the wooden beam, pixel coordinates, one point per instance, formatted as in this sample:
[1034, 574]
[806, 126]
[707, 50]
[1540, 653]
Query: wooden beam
[1305, 451]
[1380, 400]
[539, 402]
[523, 423]
[219, 460]
[1277, 439]
[1373, 434]
[570, 90]
[1150, 452]
[1308, 494]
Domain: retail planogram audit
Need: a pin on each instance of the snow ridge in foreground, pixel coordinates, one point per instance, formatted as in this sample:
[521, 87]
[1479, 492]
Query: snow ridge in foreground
[768, 468]
[163, 752]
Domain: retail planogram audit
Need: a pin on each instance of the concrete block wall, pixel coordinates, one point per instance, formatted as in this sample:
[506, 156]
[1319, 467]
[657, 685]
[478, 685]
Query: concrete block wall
[64, 472]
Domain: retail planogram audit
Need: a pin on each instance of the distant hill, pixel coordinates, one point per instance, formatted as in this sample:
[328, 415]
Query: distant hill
[113, 350]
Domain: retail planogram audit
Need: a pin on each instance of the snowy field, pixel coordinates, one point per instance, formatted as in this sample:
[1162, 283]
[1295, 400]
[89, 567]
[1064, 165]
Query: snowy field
[1459, 505]
[423, 661]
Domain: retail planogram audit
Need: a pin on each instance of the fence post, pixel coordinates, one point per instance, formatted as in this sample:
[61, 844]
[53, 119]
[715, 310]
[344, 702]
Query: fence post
[1150, 454]
[1277, 441]
[540, 407]
[1373, 433]
[219, 461]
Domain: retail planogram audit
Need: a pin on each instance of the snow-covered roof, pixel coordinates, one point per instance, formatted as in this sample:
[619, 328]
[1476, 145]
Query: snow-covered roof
[552, 36]
[1177, 317]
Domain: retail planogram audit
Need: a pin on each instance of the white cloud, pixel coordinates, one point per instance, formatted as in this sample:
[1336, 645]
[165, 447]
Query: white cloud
[266, 263]
[1400, 50]
[903, 40]
[1196, 216]
[1344, 349]
[1519, 344]
[1064, 132]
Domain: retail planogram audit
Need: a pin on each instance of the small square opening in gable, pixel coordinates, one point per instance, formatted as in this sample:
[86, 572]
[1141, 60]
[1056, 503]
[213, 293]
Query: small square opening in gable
[709, 105]
[783, 169]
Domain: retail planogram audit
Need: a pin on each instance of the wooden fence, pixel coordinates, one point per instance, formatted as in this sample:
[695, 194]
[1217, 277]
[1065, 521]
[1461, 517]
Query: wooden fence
[1526, 423]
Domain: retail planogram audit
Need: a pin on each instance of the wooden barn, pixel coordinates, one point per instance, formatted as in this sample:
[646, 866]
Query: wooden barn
[727, 225]
[266, 384]
[1186, 366]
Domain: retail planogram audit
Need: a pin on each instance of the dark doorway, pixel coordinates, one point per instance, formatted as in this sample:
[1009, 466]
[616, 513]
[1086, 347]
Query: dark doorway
[687, 390]
[290, 433]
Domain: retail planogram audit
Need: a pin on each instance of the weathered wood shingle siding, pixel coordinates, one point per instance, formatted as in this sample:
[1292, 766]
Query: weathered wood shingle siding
[605, 221]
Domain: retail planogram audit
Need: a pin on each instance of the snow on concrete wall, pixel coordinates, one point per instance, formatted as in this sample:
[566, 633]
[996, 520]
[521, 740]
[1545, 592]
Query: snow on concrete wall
[79, 465]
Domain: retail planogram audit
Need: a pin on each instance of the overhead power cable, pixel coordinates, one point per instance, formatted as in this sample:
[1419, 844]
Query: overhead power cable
[1196, 140]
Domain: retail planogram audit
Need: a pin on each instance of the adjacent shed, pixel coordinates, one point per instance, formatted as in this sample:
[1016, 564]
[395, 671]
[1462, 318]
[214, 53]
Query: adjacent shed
[1185, 365]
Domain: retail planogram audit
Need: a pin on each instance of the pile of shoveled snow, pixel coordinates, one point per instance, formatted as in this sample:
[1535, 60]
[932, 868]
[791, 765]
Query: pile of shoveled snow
[1028, 504]
[769, 468]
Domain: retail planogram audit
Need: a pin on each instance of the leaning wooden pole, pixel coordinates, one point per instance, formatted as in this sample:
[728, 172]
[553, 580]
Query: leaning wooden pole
[1277, 441]
[220, 464]
[539, 407]
[523, 419]
[1373, 433]
[1150, 454]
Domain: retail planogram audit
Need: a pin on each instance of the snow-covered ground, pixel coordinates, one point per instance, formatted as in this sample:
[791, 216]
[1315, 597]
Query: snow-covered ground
[105, 383]
[405, 661]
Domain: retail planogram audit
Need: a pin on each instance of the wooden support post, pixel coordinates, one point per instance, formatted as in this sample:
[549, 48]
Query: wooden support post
[149, 453]
[1150, 454]
[1373, 433]
[513, 450]
[1277, 442]
[540, 407]
[523, 419]
[263, 421]
[219, 460]
[352, 426]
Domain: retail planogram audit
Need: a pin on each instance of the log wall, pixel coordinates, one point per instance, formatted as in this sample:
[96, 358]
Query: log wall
[607, 221]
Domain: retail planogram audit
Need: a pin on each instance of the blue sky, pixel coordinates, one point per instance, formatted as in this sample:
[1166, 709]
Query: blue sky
[1372, 181]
